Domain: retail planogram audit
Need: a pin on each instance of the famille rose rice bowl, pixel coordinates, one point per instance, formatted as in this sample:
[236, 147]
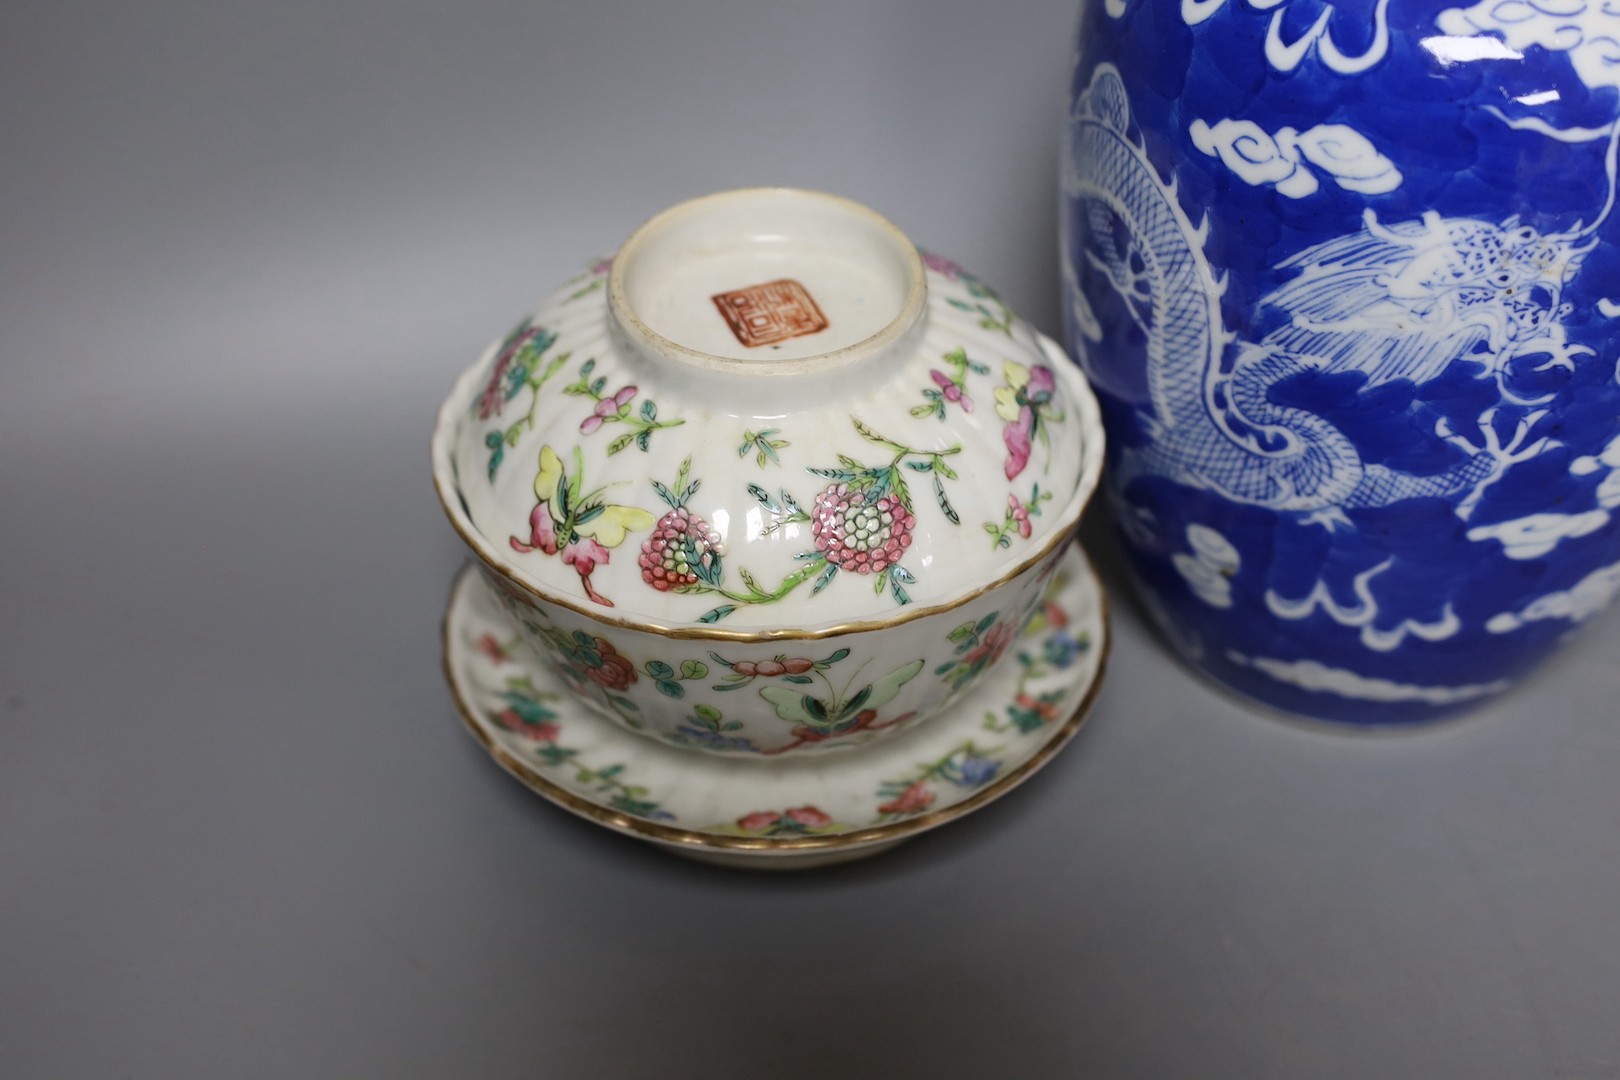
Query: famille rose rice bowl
[769, 480]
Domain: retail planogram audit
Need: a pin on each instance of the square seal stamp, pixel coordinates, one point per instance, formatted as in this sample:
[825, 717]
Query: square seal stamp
[775, 311]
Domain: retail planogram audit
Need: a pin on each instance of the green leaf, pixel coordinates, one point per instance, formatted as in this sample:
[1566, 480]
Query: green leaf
[944, 503]
[670, 689]
[644, 440]
[920, 466]
[843, 476]
[708, 712]
[694, 669]
[659, 670]
[649, 410]
[717, 614]
[825, 579]
[841, 654]
[801, 679]
[879, 582]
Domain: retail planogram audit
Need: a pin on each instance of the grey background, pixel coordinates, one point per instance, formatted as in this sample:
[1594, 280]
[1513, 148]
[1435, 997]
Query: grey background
[243, 250]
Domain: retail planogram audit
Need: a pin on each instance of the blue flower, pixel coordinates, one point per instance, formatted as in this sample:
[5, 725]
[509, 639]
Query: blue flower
[978, 770]
[689, 733]
[1061, 649]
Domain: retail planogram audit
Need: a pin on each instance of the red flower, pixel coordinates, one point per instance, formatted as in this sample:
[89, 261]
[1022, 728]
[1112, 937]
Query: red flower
[614, 672]
[914, 800]
[758, 821]
[542, 732]
[492, 649]
[809, 817]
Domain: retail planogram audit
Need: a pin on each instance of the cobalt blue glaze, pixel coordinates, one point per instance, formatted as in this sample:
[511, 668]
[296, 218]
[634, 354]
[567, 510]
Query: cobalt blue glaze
[1345, 278]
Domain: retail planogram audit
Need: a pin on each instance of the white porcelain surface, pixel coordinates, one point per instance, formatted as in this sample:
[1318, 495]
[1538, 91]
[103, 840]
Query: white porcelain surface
[768, 421]
[800, 811]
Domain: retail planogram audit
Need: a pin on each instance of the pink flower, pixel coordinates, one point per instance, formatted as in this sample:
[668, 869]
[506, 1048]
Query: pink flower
[1019, 515]
[513, 722]
[809, 817]
[914, 800]
[602, 266]
[1042, 384]
[606, 408]
[542, 531]
[1056, 617]
[990, 649]
[493, 399]
[758, 821]
[492, 649]
[951, 390]
[857, 535]
[583, 555]
[1016, 436]
[941, 265]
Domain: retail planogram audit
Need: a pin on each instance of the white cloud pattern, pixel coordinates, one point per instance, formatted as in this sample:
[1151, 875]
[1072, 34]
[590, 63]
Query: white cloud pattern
[1259, 158]
[1579, 602]
[1209, 569]
[1312, 675]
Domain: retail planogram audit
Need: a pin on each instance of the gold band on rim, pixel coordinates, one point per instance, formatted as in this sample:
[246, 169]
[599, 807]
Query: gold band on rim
[669, 834]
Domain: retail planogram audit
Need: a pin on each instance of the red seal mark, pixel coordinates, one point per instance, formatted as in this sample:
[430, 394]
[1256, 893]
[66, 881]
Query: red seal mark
[768, 313]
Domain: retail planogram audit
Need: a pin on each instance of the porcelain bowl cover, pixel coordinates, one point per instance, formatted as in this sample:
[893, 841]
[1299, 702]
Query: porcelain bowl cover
[767, 417]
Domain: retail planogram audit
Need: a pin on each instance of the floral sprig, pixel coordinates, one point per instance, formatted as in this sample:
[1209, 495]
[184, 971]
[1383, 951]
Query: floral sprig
[799, 821]
[968, 765]
[764, 444]
[529, 715]
[983, 297]
[1015, 522]
[978, 645]
[707, 726]
[1032, 712]
[862, 522]
[793, 669]
[668, 679]
[615, 408]
[517, 367]
[949, 388]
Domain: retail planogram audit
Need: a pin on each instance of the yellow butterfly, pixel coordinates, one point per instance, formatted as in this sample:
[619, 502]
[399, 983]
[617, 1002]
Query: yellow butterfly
[582, 525]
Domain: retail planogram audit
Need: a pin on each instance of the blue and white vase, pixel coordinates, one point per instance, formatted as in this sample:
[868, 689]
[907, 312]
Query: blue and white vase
[1345, 278]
